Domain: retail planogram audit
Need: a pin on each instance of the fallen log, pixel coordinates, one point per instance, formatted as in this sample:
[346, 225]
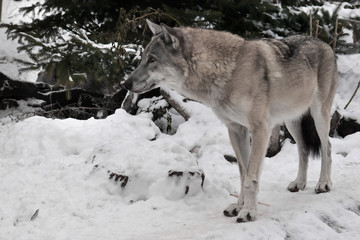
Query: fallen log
[58, 101]
[19, 90]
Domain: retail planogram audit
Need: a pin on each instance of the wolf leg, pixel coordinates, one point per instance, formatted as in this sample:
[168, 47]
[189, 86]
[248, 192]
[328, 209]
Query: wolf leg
[260, 141]
[299, 183]
[240, 140]
[322, 123]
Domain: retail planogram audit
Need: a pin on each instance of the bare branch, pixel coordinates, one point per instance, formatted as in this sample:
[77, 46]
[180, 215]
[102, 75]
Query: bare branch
[352, 97]
[336, 34]
[311, 25]
[175, 104]
[317, 28]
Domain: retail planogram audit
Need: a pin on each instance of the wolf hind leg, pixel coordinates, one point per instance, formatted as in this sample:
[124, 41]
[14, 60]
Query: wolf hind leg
[299, 183]
[322, 123]
[240, 141]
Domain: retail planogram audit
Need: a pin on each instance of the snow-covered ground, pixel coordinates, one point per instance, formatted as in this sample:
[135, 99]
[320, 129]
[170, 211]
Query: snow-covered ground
[59, 169]
[54, 179]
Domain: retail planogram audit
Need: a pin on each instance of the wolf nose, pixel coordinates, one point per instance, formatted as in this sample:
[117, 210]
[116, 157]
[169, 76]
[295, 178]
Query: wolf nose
[127, 85]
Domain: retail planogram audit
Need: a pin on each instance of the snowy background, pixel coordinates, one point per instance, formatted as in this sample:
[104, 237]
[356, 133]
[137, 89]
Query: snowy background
[54, 176]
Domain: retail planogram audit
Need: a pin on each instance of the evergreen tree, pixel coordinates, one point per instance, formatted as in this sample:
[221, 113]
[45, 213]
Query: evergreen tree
[99, 42]
[87, 39]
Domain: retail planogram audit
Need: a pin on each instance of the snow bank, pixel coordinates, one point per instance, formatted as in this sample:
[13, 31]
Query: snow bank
[349, 76]
[56, 172]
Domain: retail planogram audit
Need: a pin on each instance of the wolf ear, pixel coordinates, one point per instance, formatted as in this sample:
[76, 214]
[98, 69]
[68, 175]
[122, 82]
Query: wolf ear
[155, 29]
[168, 37]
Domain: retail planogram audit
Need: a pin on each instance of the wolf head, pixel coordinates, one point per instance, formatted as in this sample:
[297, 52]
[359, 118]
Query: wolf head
[163, 63]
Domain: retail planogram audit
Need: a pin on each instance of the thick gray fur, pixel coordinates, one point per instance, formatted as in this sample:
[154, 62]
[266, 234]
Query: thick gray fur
[250, 86]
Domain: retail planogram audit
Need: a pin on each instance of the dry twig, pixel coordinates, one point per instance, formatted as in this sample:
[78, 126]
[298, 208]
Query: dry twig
[261, 203]
[352, 97]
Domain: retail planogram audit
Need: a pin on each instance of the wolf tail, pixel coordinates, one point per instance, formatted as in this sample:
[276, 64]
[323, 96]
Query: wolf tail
[310, 135]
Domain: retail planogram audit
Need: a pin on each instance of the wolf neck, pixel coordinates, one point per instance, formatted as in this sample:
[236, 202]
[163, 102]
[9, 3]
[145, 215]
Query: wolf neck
[211, 63]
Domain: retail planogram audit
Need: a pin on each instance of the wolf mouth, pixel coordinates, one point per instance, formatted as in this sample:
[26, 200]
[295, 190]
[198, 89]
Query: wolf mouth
[152, 85]
[144, 87]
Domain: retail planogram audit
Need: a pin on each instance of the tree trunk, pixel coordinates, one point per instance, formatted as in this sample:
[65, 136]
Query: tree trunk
[356, 32]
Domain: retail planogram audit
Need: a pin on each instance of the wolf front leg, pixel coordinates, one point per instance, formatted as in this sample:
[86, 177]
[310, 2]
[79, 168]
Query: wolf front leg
[260, 141]
[322, 123]
[240, 141]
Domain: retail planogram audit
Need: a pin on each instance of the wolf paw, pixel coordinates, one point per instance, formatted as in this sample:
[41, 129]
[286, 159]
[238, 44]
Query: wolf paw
[323, 187]
[246, 215]
[232, 210]
[295, 186]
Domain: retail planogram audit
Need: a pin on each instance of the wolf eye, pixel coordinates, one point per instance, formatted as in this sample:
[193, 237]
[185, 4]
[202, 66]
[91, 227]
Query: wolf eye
[151, 60]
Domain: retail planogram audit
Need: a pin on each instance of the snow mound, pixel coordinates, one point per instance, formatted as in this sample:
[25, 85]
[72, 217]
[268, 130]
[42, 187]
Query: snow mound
[121, 178]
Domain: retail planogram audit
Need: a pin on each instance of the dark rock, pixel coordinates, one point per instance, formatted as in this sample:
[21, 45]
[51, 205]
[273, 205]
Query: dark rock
[275, 142]
[230, 158]
[347, 126]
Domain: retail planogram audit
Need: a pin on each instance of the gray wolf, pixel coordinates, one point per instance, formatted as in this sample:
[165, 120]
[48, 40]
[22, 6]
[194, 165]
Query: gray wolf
[251, 86]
